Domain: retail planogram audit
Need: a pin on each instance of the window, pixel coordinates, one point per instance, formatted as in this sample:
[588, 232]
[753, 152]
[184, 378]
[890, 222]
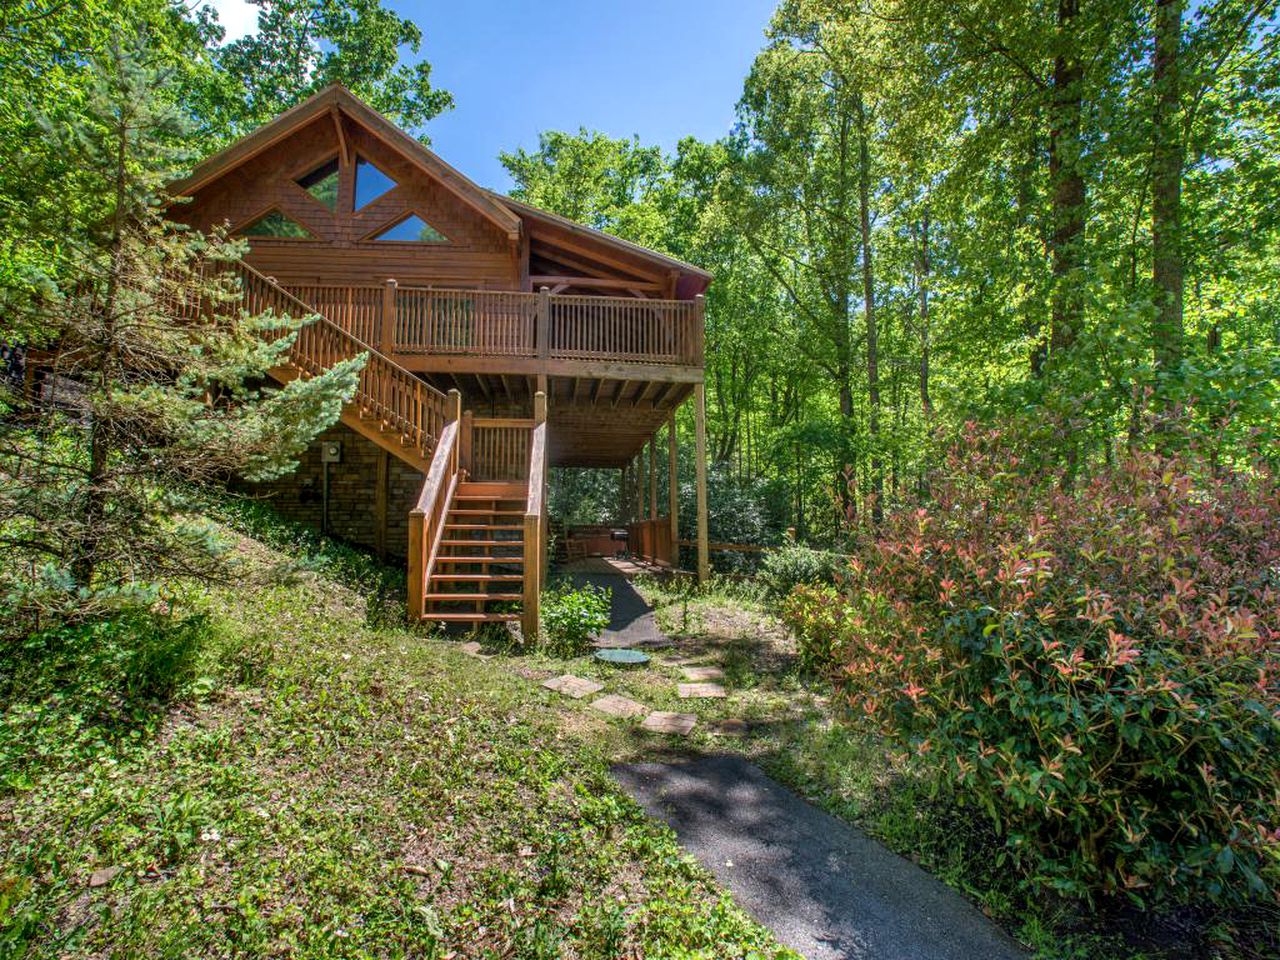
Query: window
[322, 183]
[413, 229]
[276, 224]
[371, 183]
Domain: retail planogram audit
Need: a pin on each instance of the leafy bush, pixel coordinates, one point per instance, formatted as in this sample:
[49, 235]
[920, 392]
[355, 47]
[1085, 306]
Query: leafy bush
[1099, 669]
[793, 564]
[815, 614]
[571, 618]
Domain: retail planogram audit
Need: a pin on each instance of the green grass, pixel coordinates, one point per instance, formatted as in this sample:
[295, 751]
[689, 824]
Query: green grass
[329, 784]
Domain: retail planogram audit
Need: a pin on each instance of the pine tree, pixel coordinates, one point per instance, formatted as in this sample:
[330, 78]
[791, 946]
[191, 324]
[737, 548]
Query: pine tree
[157, 377]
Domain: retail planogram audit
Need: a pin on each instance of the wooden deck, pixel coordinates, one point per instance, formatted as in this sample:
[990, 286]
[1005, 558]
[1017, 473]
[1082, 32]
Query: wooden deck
[514, 333]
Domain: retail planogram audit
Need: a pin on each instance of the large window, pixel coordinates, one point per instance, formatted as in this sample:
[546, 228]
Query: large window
[412, 229]
[371, 183]
[276, 224]
[322, 183]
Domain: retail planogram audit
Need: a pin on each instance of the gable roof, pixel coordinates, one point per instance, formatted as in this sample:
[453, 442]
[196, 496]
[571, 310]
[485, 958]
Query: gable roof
[599, 236]
[338, 98]
[507, 214]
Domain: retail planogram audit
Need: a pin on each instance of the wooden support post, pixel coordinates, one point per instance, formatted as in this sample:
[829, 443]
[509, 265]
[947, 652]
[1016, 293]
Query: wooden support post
[653, 477]
[464, 440]
[540, 418]
[700, 430]
[532, 578]
[542, 331]
[417, 564]
[673, 489]
[639, 491]
[535, 522]
[388, 318]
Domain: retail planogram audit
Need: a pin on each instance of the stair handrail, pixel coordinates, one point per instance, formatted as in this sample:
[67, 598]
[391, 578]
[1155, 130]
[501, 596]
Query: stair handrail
[404, 403]
[535, 520]
[427, 518]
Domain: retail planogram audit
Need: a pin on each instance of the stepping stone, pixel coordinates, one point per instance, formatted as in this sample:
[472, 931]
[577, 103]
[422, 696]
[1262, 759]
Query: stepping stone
[472, 649]
[703, 673]
[571, 686]
[731, 728]
[689, 691]
[616, 706]
[663, 721]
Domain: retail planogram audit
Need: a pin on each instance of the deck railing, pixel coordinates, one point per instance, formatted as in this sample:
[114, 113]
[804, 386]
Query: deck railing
[651, 540]
[427, 518]
[499, 449]
[503, 323]
[402, 402]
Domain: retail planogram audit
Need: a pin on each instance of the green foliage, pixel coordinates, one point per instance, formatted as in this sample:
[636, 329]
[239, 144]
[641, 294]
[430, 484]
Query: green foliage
[302, 46]
[73, 688]
[1095, 669]
[793, 564]
[386, 794]
[91, 497]
[573, 617]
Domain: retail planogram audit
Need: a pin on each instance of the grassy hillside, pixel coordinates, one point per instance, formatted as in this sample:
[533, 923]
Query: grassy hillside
[326, 783]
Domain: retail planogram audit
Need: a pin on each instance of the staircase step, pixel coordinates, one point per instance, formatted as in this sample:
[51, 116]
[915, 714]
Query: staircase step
[495, 512]
[471, 617]
[483, 526]
[491, 489]
[480, 559]
[479, 577]
[450, 597]
[482, 543]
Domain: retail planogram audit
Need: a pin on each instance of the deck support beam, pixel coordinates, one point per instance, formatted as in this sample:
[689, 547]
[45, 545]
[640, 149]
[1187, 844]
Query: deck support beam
[653, 476]
[700, 429]
[673, 489]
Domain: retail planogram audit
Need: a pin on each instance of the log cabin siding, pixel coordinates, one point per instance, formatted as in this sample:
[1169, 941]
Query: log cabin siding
[478, 255]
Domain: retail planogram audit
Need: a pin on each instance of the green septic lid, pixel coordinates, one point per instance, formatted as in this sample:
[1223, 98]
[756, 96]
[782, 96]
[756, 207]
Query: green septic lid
[620, 656]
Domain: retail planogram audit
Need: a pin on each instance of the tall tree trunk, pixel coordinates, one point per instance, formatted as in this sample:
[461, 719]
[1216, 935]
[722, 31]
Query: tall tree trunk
[869, 309]
[1167, 160]
[1066, 182]
[922, 284]
[101, 433]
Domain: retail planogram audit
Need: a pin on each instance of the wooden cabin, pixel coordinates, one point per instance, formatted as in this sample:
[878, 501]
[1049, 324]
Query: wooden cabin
[502, 340]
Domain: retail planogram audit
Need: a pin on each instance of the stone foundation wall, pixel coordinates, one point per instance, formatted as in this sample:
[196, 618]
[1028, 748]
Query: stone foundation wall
[354, 507]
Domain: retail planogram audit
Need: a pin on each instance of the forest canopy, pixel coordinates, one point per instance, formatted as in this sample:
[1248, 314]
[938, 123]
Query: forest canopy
[1059, 213]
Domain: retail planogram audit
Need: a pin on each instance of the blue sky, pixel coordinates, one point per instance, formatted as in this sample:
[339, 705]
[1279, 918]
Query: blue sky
[661, 69]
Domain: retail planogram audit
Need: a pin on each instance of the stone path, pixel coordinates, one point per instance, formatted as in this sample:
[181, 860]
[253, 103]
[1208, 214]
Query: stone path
[576, 687]
[619, 706]
[693, 691]
[825, 889]
[663, 721]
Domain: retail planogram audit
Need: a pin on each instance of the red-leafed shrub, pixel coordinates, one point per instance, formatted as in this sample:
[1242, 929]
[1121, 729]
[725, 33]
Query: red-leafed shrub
[1099, 668]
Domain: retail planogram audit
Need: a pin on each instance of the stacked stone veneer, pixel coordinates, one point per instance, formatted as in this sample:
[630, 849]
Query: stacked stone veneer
[353, 492]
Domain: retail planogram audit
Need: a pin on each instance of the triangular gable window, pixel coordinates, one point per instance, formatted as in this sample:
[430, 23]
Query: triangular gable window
[322, 183]
[276, 224]
[371, 183]
[413, 229]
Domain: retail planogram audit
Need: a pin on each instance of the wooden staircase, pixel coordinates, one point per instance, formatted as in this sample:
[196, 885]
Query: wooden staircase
[479, 571]
[476, 546]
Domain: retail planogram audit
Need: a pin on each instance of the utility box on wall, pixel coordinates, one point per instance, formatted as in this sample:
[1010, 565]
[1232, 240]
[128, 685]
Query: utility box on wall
[331, 451]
